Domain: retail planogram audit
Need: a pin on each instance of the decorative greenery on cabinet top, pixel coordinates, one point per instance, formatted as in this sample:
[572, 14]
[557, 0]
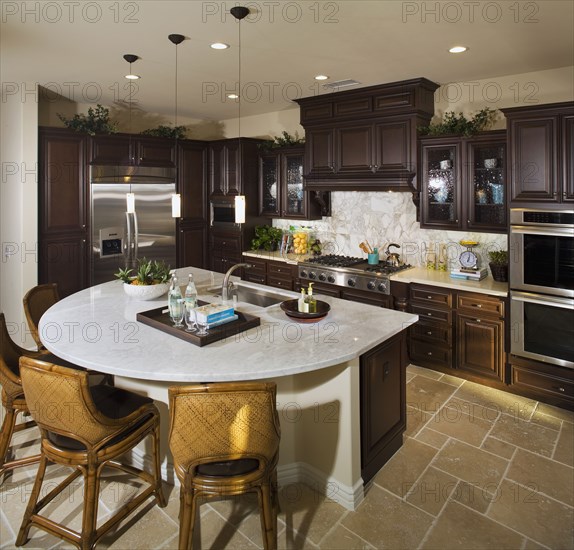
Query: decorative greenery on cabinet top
[458, 124]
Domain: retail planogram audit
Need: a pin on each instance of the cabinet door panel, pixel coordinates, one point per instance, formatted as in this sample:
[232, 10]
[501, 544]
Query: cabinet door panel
[379, 300]
[216, 159]
[319, 145]
[111, 150]
[480, 346]
[534, 159]
[392, 146]
[383, 403]
[233, 181]
[269, 192]
[191, 246]
[294, 199]
[63, 184]
[354, 148]
[156, 152]
[568, 158]
[64, 261]
[191, 182]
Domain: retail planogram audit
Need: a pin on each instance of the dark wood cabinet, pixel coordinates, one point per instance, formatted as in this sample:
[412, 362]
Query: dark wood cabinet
[225, 249]
[257, 273]
[233, 167]
[540, 153]
[431, 339]
[281, 192]
[137, 150]
[281, 275]
[365, 139]
[63, 210]
[464, 182]
[194, 222]
[383, 403]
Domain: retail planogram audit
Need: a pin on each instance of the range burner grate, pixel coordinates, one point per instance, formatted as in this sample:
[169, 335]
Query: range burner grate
[385, 268]
[334, 260]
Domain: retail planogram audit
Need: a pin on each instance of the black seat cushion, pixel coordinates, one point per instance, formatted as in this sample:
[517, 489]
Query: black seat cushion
[228, 468]
[111, 402]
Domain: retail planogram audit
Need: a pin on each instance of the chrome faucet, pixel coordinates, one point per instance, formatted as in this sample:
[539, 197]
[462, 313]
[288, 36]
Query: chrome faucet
[227, 287]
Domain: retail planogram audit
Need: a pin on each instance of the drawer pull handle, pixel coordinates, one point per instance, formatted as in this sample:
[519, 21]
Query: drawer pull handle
[477, 305]
[429, 297]
[559, 388]
[429, 314]
[429, 353]
[429, 332]
[477, 320]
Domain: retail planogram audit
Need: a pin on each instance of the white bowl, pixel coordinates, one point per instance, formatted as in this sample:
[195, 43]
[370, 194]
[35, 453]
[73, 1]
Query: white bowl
[146, 292]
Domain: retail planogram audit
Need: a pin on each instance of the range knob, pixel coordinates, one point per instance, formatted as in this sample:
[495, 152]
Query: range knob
[312, 275]
[322, 277]
[331, 279]
[382, 287]
[352, 281]
[303, 274]
[371, 285]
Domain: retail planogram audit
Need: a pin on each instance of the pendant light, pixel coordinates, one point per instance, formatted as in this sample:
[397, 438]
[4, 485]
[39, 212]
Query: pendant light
[239, 12]
[176, 39]
[130, 197]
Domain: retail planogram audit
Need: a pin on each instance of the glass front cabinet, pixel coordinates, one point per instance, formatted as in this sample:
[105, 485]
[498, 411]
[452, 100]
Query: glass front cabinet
[464, 182]
[281, 193]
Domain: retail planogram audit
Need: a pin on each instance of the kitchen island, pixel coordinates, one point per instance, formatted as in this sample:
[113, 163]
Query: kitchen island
[325, 372]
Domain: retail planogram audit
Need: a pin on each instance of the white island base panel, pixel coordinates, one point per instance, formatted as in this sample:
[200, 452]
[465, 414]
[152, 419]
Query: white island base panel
[320, 430]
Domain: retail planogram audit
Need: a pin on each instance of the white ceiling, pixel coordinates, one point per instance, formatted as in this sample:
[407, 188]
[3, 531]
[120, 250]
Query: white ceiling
[76, 48]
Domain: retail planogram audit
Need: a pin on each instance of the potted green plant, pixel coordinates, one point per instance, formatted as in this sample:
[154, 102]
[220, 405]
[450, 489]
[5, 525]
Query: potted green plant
[97, 121]
[266, 238]
[498, 263]
[173, 132]
[150, 281]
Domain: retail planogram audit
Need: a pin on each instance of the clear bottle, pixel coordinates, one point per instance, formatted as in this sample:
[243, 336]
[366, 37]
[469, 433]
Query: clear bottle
[311, 300]
[175, 299]
[190, 293]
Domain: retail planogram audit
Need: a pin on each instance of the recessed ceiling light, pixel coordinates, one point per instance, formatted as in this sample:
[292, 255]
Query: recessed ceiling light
[321, 77]
[132, 76]
[219, 46]
[233, 96]
[458, 49]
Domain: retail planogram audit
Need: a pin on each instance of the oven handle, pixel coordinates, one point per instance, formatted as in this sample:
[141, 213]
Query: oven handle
[538, 230]
[542, 300]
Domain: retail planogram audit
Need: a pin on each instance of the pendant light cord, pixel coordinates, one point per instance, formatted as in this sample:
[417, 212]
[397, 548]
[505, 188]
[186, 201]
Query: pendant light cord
[239, 84]
[175, 117]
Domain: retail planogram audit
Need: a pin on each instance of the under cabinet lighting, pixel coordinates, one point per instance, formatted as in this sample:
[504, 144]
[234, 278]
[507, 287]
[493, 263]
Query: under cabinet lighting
[219, 46]
[130, 203]
[176, 205]
[458, 49]
[240, 209]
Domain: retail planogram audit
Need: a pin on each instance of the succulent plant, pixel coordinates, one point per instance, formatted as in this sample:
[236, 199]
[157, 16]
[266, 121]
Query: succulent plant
[149, 272]
[498, 257]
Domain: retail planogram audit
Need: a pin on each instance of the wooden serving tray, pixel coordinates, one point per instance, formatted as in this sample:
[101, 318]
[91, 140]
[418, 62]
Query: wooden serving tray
[156, 319]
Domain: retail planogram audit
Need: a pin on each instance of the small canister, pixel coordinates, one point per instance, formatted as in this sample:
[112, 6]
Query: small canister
[373, 257]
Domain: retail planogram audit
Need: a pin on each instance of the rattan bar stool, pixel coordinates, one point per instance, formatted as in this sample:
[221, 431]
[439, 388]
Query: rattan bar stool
[12, 397]
[36, 302]
[87, 428]
[225, 441]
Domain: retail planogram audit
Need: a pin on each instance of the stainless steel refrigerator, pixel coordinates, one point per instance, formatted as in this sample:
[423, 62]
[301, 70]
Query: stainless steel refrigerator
[119, 238]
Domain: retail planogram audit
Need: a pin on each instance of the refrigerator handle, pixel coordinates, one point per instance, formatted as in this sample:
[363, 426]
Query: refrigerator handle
[135, 236]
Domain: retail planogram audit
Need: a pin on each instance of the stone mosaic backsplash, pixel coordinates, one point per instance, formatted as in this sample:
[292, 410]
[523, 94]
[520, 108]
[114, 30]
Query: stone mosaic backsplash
[387, 217]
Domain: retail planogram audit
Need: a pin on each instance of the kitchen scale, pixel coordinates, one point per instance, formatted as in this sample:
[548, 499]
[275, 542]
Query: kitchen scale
[469, 260]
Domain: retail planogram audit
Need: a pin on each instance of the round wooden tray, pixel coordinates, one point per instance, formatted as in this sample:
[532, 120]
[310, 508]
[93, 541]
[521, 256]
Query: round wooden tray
[290, 309]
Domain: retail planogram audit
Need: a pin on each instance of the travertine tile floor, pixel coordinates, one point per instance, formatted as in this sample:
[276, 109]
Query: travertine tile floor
[479, 468]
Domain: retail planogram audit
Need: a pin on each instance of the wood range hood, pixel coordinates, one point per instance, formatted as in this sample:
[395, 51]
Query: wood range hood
[365, 139]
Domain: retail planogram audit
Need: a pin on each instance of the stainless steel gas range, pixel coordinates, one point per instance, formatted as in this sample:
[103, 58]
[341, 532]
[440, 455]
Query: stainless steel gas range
[349, 272]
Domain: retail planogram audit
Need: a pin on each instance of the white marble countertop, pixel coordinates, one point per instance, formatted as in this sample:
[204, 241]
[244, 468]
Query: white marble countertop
[97, 328]
[442, 278]
[275, 256]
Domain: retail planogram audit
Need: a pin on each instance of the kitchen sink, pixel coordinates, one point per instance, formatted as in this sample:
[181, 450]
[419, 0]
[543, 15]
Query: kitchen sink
[256, 296]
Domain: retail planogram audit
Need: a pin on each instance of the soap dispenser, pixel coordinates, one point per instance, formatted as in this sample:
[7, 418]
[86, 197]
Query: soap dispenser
[311, 301]
[302, 306]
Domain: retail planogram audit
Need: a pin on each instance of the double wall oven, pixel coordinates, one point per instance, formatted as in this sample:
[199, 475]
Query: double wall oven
[541, 257]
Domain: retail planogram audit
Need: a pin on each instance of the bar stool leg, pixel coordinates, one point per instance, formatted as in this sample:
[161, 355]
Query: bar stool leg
[161, 501]
[6, 435]
[185, 519]
[31, 508]
[90, 511]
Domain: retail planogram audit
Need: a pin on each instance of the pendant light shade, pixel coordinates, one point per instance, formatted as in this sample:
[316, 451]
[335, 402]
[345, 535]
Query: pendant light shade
[239, 12]
[176, 205]
[131, 58]
[130, 203]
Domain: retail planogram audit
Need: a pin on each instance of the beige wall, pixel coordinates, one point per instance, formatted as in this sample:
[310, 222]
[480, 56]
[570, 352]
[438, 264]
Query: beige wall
[18, 207]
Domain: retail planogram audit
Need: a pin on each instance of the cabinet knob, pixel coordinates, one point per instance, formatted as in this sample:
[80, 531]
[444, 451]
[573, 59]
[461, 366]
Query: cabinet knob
[429, 332]
[477, 320]
[429, 314]
[332, 168]
[429, 297]
[429, 353]
[477, 305]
